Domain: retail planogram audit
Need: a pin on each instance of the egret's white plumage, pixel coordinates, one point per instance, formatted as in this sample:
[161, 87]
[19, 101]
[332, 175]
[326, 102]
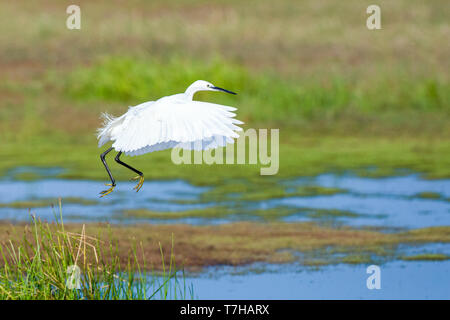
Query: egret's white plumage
[172, 121]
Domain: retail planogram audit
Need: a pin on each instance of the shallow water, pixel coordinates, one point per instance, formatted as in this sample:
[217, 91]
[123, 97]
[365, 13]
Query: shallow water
[401, 186]
[376, 210]
[399, 280]
[385, 202]
[388, 202]
[156, 197]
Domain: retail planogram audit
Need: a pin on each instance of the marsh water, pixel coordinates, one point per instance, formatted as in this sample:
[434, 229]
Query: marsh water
[393, 202]
[399, 280]
[399, 202]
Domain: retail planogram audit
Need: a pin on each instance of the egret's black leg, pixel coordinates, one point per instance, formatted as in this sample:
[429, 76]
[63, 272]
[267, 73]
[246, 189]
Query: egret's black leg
[140, 176]
[125, 165]
[113, 183]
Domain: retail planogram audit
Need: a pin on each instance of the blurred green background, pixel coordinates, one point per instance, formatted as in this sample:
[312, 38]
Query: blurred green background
[344, 97]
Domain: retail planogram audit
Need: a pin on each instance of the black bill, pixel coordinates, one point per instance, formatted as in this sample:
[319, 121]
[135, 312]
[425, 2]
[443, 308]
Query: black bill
[224, 90]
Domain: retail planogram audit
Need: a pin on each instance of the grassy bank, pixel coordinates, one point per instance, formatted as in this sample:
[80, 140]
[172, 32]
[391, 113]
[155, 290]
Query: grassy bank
[195, 247]
[52, 263]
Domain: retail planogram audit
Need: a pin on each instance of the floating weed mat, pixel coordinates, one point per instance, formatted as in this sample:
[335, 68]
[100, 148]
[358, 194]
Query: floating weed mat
[52, 263]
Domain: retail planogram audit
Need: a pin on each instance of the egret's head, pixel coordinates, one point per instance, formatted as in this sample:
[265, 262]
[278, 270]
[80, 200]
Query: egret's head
[201, 85]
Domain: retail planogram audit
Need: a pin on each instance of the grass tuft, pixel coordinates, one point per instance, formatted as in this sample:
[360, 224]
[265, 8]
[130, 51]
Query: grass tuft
[53, 263]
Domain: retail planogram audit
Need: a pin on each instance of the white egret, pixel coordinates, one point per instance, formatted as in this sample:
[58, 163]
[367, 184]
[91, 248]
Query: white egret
[172, 121]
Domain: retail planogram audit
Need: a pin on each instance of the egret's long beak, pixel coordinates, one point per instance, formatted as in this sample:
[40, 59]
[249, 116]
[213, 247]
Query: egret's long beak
[224, 90]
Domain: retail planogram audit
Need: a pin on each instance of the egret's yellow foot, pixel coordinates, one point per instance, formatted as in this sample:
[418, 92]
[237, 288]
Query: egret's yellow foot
[106, 192]
[140, 183]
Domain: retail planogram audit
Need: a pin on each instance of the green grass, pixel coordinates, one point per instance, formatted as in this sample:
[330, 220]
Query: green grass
[195, 247]
[344, 98]
[215, 212]
[427, 257]
[330, 213]
[39, 267]
[212, 212]
[310, 191]
[299, 156]
[38, 203]
[357, 258]
[429, 195]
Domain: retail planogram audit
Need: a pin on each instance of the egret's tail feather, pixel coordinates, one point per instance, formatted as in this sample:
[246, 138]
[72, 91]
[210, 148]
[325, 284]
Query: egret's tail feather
[104, 132]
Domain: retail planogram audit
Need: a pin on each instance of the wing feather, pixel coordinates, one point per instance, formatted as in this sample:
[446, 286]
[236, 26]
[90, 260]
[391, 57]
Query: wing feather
[167, 123]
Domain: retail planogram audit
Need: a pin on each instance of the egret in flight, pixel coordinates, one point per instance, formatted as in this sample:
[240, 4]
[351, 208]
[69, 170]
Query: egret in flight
[172, 121]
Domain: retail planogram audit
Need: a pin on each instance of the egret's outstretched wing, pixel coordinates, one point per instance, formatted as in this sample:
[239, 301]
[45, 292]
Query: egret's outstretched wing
[168, 123]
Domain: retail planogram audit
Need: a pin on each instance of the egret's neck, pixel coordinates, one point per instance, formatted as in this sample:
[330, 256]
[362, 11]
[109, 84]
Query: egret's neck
[190, 91]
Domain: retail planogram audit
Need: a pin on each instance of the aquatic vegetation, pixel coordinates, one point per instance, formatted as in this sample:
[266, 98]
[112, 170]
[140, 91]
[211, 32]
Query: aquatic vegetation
[49, 262]
[421, 235]
[213, 212]
[315, 262]
[427, 257]
[301, 157]
[27, 176]
[329, 213]
[209, 212]
[332, 117]
[252, 190]
[310, 191]
[342, 103]
[46, 203]
[243, 243]
[356, 258]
